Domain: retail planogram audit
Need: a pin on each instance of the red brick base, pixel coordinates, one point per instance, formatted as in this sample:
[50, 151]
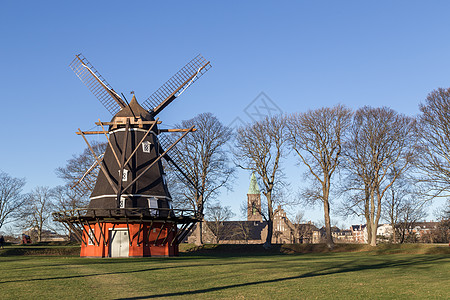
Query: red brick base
[159, 242]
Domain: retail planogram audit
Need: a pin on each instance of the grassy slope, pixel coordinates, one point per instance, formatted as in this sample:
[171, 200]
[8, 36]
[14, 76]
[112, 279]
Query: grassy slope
[214, 273]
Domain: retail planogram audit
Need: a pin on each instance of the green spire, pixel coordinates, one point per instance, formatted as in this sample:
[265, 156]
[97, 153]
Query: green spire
[254, 188]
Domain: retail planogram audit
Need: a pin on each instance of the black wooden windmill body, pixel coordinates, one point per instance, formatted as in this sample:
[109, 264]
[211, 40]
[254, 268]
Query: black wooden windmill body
[130, 211]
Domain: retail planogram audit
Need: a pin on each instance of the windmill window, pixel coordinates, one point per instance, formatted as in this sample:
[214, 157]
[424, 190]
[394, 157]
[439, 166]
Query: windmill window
[91, 237]
[124, 175]
[153, 205]
[164, 179]
[146, 146]
[122, 202]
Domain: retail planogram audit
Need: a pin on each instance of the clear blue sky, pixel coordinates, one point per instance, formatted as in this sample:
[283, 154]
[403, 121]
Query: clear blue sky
[302, 54]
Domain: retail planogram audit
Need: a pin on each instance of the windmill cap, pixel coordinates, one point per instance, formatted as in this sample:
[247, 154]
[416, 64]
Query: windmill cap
[136, 108]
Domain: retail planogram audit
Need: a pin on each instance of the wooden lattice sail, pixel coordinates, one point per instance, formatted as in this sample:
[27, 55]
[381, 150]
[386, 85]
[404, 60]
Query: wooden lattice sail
[130, 211]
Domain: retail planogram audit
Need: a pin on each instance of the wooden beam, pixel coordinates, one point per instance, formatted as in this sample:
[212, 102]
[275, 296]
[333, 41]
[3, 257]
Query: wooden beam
[148, 234]
[101, 231]
[185, 233]
[157, 159]
[132, 122]
[121, 163]
[129, 235]
[90, 132]
[176, 130]
[142, 140]
[110, 145]
[167, 236]
[71, 228]
[159, 233]
[85, 174]
[141, 227]
[93, 232]
[99, 163]
[179, 231]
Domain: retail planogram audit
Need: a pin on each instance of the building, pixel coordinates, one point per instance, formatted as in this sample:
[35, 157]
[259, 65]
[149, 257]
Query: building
[423, 228]
[46, 235]
[254, 229]
[254, 201]
[339, 235]
[359, 233]
[342, 235]
[384, 231]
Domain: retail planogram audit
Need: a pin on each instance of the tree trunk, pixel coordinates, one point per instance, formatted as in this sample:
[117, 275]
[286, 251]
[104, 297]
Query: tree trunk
[369, 229]
[268, 242]
[198, 234]
[376, 219]
[394, 236]
[329, 237]
[373, 240]
[367, 214]
[199, 231]
[392, 215]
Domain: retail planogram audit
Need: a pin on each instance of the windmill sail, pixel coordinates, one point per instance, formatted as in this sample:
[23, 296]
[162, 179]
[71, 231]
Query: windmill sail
[97, 84]
[176, 85]
[175, 157]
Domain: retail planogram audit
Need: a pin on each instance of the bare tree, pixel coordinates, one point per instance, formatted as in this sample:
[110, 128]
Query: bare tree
[403, 205]
[381, 140]
[206, 162]
[441, 234]
[37, 210]
[216, 214]
[411, 212]
[445, 211]
[392, 207]
[434, 162]
[301, 229]
[299, 217]
[317, 137]
[260, 147]
[242, 231]
[11, 197]
[67, 199]
[82, 166]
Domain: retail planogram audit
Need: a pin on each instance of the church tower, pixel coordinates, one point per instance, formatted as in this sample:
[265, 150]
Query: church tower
[253, 201]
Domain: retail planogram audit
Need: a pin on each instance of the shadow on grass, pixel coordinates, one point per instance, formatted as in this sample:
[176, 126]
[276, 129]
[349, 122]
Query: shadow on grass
[115, 261]
[336, 269]
[233, 250]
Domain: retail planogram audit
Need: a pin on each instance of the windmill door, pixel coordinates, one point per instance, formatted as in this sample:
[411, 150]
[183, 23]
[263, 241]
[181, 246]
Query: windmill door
[119, 243]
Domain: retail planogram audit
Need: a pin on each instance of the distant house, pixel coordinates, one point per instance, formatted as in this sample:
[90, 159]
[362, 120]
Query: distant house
[384, 230]
[359, 233]
[343, 235]
[47, 235]
[422, 228]
[339, 235]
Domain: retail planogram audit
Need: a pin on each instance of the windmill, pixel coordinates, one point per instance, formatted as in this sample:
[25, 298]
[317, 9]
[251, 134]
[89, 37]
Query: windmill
[130, 211]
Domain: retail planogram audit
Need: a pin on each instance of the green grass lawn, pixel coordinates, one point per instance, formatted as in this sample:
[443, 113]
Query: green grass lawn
[233, 275]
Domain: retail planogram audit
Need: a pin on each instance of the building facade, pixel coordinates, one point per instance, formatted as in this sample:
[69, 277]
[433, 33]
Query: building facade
[254, 230]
